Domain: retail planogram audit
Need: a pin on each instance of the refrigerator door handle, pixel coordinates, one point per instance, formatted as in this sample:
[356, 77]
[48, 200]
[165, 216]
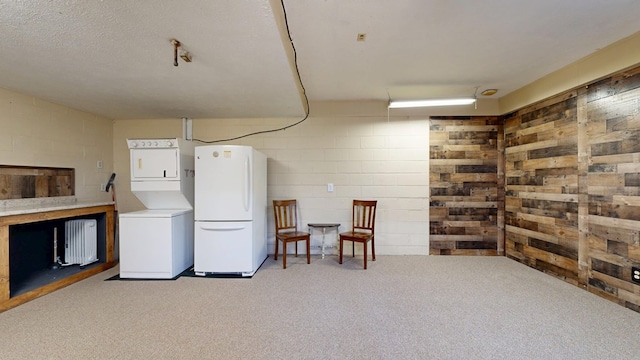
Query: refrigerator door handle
[221, 227]
[247, 188]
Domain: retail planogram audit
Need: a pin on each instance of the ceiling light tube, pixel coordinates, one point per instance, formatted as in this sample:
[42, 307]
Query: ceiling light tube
[433, 102]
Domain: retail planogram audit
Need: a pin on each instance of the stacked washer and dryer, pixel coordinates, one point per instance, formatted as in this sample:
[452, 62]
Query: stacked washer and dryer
[157, 243]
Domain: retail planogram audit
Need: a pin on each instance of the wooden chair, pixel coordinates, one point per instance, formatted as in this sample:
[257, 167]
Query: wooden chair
[363, 228]
[285, 214]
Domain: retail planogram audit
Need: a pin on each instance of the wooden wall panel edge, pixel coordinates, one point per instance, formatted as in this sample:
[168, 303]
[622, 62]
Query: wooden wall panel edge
[583, 189]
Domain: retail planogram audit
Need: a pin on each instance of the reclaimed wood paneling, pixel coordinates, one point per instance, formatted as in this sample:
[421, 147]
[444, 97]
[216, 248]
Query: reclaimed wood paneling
[23, 182]
[541, 186]
[465, 197]
[612, 107]
[572, 186]
[557, 181]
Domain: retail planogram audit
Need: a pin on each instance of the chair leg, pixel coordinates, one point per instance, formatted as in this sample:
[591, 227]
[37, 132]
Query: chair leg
[284, 254]
[364, 249]
[340, 257]
[308, 251]
[373, 249]
[353, 249]
[275, 256]
[296, 244]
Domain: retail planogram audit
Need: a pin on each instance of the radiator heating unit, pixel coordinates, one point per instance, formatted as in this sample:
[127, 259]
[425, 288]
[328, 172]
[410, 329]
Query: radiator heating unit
[80, 242]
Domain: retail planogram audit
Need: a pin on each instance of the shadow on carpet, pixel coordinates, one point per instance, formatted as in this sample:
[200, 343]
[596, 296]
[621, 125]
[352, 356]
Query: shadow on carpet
[187, 273]
[191, 273]
[117, 277]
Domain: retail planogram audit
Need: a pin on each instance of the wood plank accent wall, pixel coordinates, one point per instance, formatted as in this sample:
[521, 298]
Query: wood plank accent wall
[541, 190]
[557, 183]
[572, 201]
[612, 107]
[22, 182]
[466, 193]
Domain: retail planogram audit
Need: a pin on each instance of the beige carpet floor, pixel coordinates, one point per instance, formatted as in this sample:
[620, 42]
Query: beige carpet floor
[402, 307]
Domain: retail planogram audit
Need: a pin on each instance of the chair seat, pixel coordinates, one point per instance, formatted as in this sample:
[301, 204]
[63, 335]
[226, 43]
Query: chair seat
[293, 236]
[356, 236]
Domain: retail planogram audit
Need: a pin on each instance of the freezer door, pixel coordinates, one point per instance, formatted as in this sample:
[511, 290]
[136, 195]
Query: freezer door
[154, 164]
[223, 183]
[224, 247]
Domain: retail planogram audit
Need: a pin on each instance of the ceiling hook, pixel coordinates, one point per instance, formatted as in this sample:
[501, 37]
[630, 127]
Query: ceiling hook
[176, 45]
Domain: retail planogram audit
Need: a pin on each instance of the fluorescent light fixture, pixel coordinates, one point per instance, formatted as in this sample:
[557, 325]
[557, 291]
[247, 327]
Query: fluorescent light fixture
[433, 102]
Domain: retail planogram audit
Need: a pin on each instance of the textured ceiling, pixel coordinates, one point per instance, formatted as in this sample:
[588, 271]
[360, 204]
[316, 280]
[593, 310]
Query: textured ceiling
[114, 58]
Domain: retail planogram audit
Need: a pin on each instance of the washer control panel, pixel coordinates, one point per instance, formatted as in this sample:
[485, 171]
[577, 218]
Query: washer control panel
[152, 143]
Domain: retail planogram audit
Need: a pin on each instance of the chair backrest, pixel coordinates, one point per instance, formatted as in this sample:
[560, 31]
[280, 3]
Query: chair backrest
[364, 215]
[285, 215]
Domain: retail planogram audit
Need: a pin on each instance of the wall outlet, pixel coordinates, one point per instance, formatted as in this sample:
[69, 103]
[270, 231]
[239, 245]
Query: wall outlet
[99, 164]
[635, 274]
[330, 187]
[103, 187]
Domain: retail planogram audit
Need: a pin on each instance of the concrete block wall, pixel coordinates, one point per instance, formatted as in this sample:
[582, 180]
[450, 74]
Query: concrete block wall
[365, 156]
[39, 133]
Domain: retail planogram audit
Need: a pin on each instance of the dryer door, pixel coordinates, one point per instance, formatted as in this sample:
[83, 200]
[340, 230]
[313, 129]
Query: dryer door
[154, 164]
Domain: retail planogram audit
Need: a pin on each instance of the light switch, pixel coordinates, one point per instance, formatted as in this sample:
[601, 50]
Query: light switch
[330, 187]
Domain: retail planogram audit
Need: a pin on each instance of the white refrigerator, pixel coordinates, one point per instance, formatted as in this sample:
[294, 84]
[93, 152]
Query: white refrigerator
[230, 210]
